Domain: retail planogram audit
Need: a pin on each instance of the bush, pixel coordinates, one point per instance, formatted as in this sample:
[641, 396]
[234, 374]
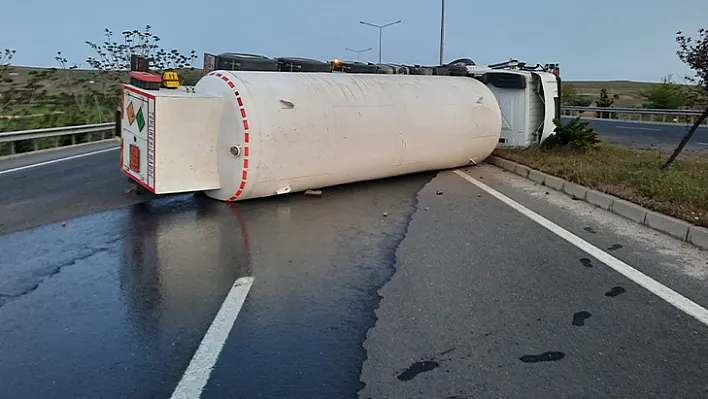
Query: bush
[575, 135]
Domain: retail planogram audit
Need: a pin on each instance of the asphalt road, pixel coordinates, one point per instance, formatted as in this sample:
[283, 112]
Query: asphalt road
[648, 134]
[453, 294]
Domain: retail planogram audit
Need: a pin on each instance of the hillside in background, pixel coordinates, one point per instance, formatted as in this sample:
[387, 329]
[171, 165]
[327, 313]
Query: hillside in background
[58, 80]
[628, 92]
[49, 97]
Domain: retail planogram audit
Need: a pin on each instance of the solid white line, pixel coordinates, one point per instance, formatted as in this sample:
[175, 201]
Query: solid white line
[34, 165]
[684, 304]
[639, 128]
[197, 374]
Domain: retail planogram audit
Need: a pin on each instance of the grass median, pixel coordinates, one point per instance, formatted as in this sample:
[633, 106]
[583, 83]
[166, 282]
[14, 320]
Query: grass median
[632, 174]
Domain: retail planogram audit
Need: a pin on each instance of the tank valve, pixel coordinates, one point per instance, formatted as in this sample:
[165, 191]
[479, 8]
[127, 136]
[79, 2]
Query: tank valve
[235, 150]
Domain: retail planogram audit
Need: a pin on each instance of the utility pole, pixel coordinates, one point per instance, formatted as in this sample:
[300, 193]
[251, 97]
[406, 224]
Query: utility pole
[358, 51]
[380, 32]
[442, 32]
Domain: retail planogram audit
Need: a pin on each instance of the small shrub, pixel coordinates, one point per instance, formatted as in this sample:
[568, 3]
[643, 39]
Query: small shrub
[575, 135]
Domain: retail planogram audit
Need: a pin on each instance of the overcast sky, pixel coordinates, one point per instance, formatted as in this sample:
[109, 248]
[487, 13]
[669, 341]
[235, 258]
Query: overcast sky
[592, 40]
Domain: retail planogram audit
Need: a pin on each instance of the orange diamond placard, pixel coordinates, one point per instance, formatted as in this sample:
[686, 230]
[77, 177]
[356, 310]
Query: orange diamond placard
[131, 114]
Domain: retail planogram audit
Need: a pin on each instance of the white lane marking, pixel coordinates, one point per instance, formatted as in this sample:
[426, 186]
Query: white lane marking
[679, 301]
[197, 374]
[34, 165]
[640, 128]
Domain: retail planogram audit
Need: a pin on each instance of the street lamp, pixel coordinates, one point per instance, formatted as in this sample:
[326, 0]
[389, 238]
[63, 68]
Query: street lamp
[442, 31]
[358, 51]
[380, 32]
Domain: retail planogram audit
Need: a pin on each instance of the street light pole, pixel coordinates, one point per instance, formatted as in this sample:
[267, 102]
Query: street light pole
[358, 51]
[380, 32]
[442, 32]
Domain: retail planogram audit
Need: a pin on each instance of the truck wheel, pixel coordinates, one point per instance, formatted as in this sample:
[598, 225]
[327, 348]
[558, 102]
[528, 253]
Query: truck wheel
[385, 69]
[399, 69]
[417, 70]
[352, 67]
[458, 69]
[441, 71]
[294, 64]
[465, 61]
[245, 62]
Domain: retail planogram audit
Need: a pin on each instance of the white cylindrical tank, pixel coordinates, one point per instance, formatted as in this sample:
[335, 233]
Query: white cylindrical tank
[288, 132]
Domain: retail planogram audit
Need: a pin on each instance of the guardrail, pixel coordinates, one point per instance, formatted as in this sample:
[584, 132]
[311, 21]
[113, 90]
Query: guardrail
[33, 140]
[680, 116]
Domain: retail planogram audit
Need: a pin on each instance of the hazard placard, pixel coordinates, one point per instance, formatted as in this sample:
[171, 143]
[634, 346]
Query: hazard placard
[135, 158]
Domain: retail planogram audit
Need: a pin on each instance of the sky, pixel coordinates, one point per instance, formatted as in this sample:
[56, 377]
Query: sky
[592, 40]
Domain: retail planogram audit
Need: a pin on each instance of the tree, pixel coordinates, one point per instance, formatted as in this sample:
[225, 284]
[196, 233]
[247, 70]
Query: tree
[665, 95]
[695, 55]
[6, 80]
[575, 135]
[110, 67]
[696, 96]
[568, 93]
[114, 56]
[572, 97]
[606, 101]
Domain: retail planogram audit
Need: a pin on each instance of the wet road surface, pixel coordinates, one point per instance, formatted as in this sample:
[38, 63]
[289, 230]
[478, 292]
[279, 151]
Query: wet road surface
[452, 295]
[55, 192]
[648, 134]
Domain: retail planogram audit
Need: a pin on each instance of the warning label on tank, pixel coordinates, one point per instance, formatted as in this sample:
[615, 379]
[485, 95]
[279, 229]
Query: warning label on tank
[139, 131]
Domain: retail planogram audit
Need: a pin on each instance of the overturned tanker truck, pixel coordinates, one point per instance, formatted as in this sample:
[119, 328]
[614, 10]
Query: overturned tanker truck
[255, 126]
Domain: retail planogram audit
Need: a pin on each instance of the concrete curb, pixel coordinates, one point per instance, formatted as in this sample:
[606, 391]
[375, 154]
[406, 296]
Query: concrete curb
[668, 225]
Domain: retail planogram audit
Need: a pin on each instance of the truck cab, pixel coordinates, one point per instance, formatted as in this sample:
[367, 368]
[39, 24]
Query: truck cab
[529, 100]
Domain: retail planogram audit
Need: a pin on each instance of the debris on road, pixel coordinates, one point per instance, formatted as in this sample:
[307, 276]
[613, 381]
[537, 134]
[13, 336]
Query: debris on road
[313, 193]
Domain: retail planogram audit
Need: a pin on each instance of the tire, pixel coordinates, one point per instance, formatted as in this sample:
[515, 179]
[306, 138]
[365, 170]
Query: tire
[441, 71]
[293, 64]
[418, 70]
[385, 69]
[458, 69]
[245, 62]
[465, 61]
[399, 69]
[355, 67]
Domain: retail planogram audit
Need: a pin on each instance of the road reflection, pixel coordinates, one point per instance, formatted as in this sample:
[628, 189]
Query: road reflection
[114, 304]
[179, 259]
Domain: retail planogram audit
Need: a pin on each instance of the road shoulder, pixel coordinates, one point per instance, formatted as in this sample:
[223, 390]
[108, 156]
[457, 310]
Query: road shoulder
[481, 293]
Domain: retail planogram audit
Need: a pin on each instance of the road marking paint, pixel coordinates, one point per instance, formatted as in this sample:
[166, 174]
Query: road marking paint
[197, 374]
[679, 301]
[2, 172]
[640, 128]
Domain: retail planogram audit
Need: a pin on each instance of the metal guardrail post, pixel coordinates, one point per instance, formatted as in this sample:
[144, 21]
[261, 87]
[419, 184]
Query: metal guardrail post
[111, 129]
[642, 115]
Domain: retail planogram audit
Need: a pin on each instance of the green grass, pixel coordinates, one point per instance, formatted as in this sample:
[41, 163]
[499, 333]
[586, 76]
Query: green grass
[632, 174]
